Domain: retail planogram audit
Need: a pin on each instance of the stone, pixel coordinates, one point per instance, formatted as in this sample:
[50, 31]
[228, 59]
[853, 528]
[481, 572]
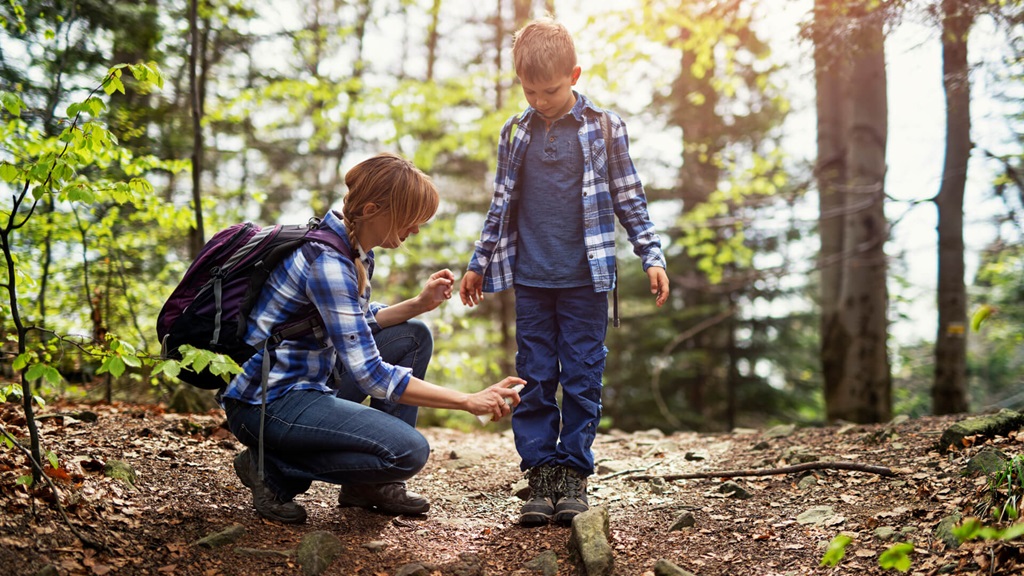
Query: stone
[665, 568]
[229, 535]
[944, 531]
[317, 551]
[817, 515]
[685, 520]
[987, 461]
[121, 470]
[807, 482]
[989, 425]
[780, 431]
[589, 541]
[733, 490]
[546, 563]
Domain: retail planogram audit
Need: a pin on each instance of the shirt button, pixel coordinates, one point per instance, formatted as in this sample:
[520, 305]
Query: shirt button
[552, 139]
[591, 256]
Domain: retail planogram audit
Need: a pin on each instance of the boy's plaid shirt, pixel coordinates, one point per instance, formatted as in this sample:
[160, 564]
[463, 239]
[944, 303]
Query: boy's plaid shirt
[611, 188]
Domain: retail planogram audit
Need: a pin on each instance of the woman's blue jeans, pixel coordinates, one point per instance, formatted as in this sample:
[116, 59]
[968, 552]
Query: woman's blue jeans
[311, 435]
[560, 334]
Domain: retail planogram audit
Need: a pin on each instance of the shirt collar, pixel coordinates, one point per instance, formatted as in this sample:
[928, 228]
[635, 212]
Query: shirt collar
[334, 221]
[582, 103]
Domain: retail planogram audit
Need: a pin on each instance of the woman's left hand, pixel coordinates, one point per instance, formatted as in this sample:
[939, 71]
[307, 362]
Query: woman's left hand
[438, 289]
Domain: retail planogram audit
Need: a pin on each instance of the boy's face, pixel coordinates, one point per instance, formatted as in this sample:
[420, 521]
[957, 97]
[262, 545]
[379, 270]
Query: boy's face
[551, 98]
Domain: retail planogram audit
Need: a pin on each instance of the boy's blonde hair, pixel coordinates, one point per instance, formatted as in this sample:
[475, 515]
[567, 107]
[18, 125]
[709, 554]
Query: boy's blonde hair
[543, 50]
[397, 187]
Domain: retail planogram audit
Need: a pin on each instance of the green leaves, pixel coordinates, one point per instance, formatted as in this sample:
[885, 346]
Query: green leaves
[897, 556]
[45, 371]
[12, 103]
[973, 529]
[836, 550]
[197, 360]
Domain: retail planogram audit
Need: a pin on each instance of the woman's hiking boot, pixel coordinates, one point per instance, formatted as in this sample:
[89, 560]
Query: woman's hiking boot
[266, 503]
[544, 488]
[572, 497]
[389, 498]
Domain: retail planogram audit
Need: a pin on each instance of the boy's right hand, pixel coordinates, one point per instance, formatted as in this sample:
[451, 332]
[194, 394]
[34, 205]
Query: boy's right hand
[471, 289]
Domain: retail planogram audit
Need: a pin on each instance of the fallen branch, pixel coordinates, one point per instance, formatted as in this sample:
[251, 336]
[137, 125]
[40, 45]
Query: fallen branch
[880, 470]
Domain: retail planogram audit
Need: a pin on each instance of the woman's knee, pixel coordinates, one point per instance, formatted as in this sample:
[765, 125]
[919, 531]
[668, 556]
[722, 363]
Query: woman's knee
[416, 453]
[422, 335]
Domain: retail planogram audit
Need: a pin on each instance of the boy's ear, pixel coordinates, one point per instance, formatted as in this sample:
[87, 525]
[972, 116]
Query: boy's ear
[576, 71]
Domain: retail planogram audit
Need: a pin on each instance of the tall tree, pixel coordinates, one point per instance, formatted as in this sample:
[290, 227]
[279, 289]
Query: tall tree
[949, 390]
[849, 46]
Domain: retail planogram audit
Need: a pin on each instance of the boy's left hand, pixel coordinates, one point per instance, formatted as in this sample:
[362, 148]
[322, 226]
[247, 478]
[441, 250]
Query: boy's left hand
[659, 284]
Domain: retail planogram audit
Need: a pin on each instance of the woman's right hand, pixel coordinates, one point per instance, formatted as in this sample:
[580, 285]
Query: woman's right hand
[492, 400]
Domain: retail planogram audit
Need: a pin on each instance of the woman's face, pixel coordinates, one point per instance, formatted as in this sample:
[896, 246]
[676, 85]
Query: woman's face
[376, 231]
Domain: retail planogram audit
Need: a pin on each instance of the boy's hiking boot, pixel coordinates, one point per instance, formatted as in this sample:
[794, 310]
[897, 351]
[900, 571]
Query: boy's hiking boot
[544, 488]
[267, 504]
[573, 498]
[389, 498]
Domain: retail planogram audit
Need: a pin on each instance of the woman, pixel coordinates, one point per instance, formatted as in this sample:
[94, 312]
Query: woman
[314, 426]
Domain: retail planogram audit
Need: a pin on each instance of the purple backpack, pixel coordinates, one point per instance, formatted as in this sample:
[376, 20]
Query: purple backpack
[209, 307]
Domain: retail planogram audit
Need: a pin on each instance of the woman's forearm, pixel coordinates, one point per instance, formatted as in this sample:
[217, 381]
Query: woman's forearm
[398, 313]
[427, 395]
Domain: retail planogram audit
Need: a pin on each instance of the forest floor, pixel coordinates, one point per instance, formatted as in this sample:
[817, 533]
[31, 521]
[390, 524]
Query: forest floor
[186, 490]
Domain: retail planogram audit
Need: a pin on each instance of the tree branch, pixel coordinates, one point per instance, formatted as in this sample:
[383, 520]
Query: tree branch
[880, 470]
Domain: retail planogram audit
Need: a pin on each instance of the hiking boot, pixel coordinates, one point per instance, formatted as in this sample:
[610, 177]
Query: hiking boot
[267, 504]
[389, 498]
[573, 496]
[544, 487]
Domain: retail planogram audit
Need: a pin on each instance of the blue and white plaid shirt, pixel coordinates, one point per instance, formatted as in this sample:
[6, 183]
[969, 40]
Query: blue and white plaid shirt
[611, 188]
[316, 274]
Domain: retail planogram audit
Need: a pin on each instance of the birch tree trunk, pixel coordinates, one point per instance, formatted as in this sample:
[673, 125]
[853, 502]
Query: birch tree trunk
[949, 390]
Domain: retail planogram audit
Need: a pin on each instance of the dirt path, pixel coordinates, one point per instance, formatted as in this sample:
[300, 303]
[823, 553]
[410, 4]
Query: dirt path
[187, 490]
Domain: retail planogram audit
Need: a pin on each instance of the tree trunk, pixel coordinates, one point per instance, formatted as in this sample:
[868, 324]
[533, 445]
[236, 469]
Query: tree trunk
[949, 391]
[864, 392]
[197, 238]
[854, 298]
[830, 69]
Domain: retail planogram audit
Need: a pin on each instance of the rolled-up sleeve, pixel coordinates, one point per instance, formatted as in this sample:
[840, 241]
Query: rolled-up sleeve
[332, 287]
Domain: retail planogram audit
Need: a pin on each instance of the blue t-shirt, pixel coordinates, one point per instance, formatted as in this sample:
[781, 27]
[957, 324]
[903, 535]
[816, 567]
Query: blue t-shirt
[552, 253]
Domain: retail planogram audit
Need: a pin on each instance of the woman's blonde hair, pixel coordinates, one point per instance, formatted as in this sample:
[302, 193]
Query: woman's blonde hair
[397, 187]
[543, 50]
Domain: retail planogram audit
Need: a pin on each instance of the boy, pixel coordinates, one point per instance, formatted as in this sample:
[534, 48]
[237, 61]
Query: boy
[549, 233]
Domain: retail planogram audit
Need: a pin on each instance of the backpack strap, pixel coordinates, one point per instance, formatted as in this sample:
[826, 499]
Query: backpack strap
[606, 133]
[312, 323]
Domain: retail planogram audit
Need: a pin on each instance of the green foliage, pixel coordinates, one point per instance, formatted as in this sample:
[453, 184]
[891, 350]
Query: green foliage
[1006, 490]
[836, 550]
[896, 556]
[973, 529]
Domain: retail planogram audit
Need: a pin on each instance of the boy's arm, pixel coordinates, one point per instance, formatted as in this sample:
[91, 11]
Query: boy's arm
[630, 202]
[489, 236]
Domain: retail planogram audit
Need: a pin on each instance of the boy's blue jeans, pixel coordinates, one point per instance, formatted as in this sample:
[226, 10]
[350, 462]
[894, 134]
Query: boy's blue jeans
[560, 333]
[311, 435]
